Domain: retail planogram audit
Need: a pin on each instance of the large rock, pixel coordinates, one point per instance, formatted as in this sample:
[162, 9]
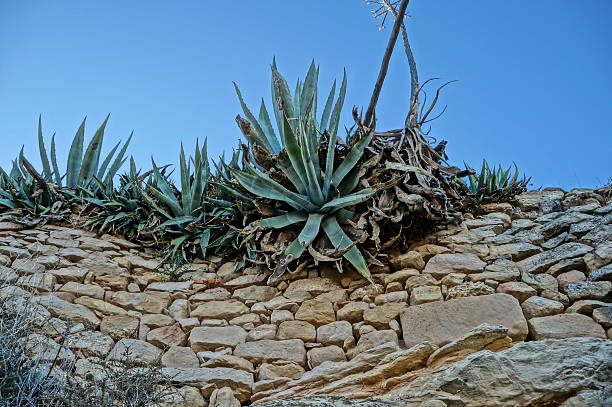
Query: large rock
[446, 263]
[442, 322]
[317, 312]
[268, 351]
[528, 374]
[565, 326]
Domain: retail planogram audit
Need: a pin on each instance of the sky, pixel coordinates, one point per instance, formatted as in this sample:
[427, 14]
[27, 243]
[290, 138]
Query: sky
[533, 86]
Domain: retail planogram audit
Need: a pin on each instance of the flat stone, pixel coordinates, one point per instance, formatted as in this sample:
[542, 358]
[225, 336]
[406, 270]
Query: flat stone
[380, 316]
[585, 306]
[167, 336]
[67, 311]
[78, 289]
[135, 351]
[233, 362]
[44, 282]
[442, 322]
[469, 289]
[423, 294]
[170, 286]
[588, 290]
[317, 312]
[211, 338]
[335, 333]
[517, 251]
[296, 330]
[601, 274]
[517, 289]
[67, 274]
[331, 353]
[376, 338]
[314, 286]
[7, 275]
[26, 266]
[408, 260]
[603, 316]
[100, 306]
[539, 263]
[540, 282]
[180, 357]
[120, 326]
[220, 310]
[395, 296]
[212, 294]
[446, 263]
[569, 277]
[499, 276]
[565, 326]
[268, 371]
[353, 311]
[269, 351]
[259, 293]
[74, 254]
[142, 302]
[90, 344]
[535, 307]
[266, 331]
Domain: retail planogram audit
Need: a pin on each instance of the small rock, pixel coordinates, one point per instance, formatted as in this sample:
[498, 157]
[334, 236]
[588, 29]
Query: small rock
[423, 294]
[335, 333]
[469, 289]
[565, 326]
[373, 339]
[211, 338]
[135, 351]
[380, 316]
[353, 311]
[220, 310]
[588, 290]
[317, 312]
[180, 356]
[269, 351]
[269, 371]
[603, 316]
[517, 289]
[167, 336]
[535, 307]
[296, 330]
[408, 260]
[446, 263]
[569, 277]
[331, 353]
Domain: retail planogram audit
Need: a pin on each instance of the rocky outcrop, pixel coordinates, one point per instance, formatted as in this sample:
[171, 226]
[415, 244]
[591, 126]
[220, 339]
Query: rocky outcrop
[531, 373]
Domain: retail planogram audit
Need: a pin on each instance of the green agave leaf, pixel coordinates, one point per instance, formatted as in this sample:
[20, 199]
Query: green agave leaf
[118, 162]
[43, 152]
[341, 240]
[308, 91]
[204, 240]
[311, 229]
[294, 152]
[329, 164]
[56, 171]
[179, 221]
[266, 126]
[264, 186]
[107, 161]
[311, 167]
[295, 249]
[335, 116]
[185, 184]
[323, 125]
[349, 200]
[281, 97]
[92, 155]
[75, 157]
[281, 221]
[351, 159]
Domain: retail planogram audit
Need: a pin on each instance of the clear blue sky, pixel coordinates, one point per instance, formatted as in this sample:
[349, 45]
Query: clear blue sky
[534, 77]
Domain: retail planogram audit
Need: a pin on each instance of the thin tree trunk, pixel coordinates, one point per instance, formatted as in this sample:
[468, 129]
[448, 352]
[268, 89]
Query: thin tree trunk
[385, 63]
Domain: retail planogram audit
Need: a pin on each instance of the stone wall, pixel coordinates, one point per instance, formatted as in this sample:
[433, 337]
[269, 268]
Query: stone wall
[541, 269]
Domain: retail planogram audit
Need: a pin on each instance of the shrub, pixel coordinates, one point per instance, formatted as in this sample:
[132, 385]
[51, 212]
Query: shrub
[494, 185]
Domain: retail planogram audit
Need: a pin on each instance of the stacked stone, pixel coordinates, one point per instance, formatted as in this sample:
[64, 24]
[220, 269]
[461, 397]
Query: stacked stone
[542, 269]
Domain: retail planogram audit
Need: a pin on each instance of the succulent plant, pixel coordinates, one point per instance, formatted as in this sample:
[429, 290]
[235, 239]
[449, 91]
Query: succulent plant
[494, 184]
[82, 167]
[318, 190]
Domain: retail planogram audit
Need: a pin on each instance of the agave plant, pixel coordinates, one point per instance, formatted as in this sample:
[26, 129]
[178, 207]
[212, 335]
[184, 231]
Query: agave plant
[184, 209]
[82, 167]
[494, 184]
[318, 190]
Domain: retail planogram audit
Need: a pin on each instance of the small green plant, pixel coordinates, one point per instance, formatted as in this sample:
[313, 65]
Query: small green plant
[494, 184]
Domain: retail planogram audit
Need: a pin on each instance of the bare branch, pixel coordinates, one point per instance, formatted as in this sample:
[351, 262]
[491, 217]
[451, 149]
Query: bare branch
[385, 63]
